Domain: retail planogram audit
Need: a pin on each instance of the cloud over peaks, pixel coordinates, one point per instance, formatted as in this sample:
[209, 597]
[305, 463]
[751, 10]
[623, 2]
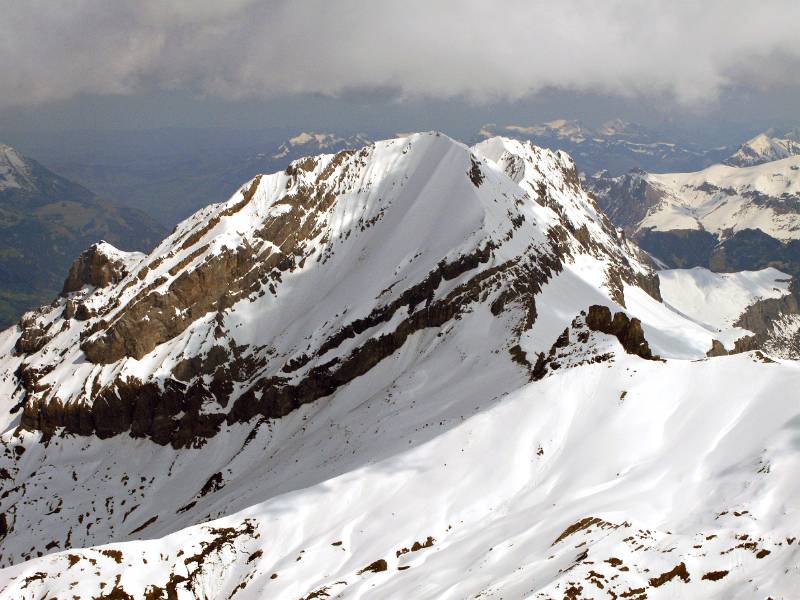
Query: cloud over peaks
[505, 49]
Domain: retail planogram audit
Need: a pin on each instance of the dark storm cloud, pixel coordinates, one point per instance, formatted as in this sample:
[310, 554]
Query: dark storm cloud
[478, 49]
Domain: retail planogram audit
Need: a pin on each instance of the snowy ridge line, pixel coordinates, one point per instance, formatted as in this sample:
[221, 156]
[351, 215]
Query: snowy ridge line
[150, 338]
[331, 390]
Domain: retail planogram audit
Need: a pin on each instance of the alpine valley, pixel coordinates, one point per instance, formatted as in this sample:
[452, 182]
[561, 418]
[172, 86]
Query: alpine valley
[413, 370]
[45, 221]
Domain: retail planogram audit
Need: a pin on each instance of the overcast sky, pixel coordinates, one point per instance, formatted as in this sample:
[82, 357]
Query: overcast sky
[189, 62]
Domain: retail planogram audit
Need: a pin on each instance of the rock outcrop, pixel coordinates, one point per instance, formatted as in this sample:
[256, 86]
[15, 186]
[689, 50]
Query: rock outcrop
[627, 330]
[98, 266]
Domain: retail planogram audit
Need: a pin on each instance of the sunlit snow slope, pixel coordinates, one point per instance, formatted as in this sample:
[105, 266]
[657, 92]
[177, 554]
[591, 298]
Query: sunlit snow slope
[723, 199]
[419, 370]
[718, 300]
[765, 147]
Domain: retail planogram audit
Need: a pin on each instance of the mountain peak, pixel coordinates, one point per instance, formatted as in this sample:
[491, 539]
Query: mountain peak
[101, 264]
[15, 170]
[351, 340]
[765, 147]
[420, 223]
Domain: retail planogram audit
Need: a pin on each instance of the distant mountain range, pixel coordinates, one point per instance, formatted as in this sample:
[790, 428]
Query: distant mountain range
[615, 147]
[47, 220]
[173, 182]
[305, 144]
[724, 217]
[172, 177]
[766, 147]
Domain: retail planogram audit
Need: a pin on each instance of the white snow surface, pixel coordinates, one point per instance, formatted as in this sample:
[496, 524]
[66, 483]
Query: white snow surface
[724, 199]
[601, 477]
[764, 148]
[717, 300]
[128, 258]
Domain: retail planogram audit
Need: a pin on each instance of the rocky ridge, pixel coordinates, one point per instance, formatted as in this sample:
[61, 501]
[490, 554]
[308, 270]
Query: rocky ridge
[180, 303]
[361, 363]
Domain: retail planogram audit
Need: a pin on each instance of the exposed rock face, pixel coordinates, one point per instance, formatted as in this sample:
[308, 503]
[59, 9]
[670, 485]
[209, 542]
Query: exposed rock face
[760, 316]
[213, 309]
[627, 330]
[579, 343]
[717, 349]
[95, 267]
[171, 413]
[626, 199]
[32, 338]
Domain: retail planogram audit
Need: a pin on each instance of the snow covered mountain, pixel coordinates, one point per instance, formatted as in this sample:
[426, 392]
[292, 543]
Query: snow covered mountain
[305, 144]
[766, 147]
[615, 147]
[722, 217]
[414, 370]
[15, 171]
[723, 200]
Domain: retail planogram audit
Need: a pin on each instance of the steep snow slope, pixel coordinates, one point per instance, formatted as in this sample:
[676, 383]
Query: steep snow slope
[597, 475]
[718, 300]
[390, 374]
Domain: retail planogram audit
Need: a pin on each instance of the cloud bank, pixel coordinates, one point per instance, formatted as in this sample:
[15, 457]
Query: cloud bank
[478, 49]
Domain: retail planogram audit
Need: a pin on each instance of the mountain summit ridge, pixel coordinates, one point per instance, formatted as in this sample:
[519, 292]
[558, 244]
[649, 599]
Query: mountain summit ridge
[286, 230]
[416, 369]
[13, 167]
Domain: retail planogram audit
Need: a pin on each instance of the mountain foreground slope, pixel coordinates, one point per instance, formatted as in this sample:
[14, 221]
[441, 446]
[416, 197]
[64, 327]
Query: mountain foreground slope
[45, 221]
[413, 370]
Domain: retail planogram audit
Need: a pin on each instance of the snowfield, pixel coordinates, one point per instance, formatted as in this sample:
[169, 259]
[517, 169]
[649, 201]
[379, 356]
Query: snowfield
[508, 443]
[678, 463]
[723, 199]
[717, 300]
